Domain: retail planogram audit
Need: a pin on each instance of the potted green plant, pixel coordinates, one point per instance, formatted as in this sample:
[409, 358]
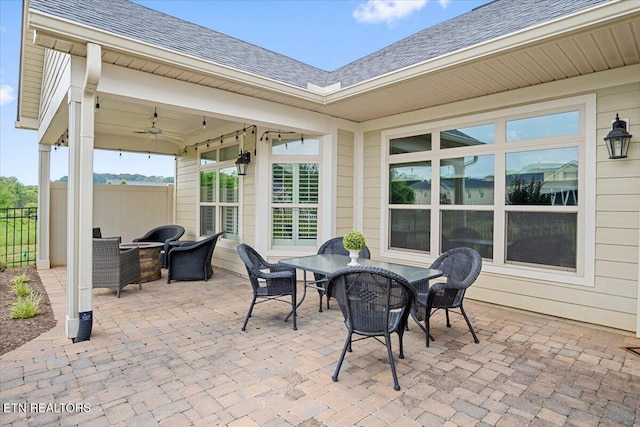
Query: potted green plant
[354, 242]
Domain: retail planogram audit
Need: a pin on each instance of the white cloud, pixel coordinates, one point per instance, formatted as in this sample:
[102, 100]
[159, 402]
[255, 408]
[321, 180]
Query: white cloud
[389, 11]
[6, 94]
[444, 3]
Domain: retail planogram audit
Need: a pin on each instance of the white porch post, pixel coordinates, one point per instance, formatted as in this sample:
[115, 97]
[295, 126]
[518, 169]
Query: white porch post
[72, 319]
[80, 194]
[43, 261]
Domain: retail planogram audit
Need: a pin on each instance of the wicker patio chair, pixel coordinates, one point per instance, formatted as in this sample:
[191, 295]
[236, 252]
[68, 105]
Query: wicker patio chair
[113, 268]
[460, 267]
[333, 246]
[192, 260]
[271, 282]
[163, 234]
[375, 303]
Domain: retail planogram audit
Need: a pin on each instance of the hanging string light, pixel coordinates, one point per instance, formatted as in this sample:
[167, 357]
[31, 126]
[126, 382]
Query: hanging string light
[207, 142]
[204, 122]
[265, 134]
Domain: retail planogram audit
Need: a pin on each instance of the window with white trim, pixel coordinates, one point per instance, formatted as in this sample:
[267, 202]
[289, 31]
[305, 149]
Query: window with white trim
[510, 185]
[219, 192]
[295, 172]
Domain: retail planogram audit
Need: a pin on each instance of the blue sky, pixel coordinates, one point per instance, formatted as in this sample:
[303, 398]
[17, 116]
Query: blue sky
[326, 34]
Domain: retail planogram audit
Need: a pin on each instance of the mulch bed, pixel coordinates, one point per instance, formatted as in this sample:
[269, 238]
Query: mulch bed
[15, 332]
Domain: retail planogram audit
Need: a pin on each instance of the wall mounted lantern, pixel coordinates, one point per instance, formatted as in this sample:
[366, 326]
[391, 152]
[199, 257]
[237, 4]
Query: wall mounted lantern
[244, 158]
[618, 139]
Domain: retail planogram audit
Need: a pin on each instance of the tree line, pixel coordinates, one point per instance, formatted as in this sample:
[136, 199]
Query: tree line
[124, 178]
[13, 194]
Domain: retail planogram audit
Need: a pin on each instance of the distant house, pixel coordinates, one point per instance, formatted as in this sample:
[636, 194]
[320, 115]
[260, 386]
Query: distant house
[465, 104]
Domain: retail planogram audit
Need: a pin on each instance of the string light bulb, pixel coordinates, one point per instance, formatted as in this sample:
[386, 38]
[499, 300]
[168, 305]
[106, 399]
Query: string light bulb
[204, 122]
[97, 104]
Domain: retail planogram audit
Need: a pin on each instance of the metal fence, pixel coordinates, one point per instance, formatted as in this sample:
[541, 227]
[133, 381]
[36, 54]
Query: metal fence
[18, 231]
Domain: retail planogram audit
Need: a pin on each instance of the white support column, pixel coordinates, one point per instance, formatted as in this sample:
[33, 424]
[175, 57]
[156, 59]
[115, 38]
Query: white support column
[43, 261]
[85, 218]
[73, 206]
[82, 97]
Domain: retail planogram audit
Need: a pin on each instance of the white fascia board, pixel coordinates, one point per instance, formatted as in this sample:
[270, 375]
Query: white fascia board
[566, 24]
[21, 77]
[70, 30]
[27, 123]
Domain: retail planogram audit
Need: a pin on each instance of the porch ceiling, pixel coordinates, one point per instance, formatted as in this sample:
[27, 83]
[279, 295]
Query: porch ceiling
[482, 70]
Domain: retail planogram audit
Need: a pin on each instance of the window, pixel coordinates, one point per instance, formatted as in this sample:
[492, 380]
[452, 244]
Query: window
[219, 193]
[294, 192]
[409, 200]
[546, 179]
[511, 187]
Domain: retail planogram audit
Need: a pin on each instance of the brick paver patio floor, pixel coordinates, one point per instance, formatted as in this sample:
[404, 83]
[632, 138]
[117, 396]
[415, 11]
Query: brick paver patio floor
[174, 355]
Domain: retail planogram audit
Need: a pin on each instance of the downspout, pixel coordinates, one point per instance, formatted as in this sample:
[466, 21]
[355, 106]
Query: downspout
[85, 187]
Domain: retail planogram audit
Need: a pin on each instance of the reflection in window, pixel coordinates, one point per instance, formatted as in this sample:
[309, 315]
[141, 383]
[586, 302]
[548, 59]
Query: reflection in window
[208, 186]
[543, 177]
[229, 153]
[229, 185]
[295, 147]
[467, 180]
[208, 157]
[542, 238]
[473, 229]
[219, 193]
[410, 183]
[560, 124]
[409, 229]
[466, 137]
[410, 144]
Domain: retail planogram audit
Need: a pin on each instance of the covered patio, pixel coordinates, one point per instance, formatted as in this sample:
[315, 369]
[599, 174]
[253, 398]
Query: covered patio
[175, 355]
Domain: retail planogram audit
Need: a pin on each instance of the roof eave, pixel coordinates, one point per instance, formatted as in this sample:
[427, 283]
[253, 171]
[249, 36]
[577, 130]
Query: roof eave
[573, 23]
[62, 32]
[23, 122]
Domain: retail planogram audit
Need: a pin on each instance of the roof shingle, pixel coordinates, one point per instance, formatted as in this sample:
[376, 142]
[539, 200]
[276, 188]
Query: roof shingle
[487, 22]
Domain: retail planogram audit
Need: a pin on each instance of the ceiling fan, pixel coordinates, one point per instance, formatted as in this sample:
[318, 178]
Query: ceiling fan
[153, 131]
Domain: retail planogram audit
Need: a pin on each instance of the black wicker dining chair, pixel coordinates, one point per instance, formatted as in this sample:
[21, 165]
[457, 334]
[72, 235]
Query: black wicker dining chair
[375, 303]
[270, 282]
[333, 246]
[460, 267]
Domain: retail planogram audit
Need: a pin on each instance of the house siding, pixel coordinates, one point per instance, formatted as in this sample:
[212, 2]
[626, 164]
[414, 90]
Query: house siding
[187, 210]
[55, 84]
[345, 191]
[612, 300]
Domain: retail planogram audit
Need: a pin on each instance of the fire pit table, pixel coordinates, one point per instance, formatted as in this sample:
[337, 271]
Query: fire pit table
[149, 259]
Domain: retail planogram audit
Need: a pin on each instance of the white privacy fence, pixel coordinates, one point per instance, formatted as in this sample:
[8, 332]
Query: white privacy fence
[128, 211]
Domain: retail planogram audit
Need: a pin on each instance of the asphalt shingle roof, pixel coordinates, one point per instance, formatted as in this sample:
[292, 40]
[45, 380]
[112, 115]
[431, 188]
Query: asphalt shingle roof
[131, 20]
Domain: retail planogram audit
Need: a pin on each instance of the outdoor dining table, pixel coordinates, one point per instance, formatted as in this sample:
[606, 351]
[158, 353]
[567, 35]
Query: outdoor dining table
[327, 264]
